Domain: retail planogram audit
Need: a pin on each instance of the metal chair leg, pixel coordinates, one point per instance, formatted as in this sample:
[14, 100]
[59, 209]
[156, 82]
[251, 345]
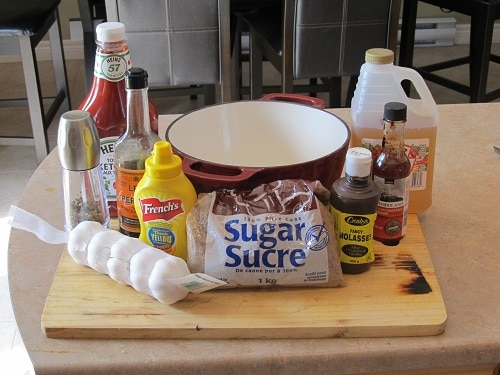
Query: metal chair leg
[34, 96]
[60, 74]
[255, 70]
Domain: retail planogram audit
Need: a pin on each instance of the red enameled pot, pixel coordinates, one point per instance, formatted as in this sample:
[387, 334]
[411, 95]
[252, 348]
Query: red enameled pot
[247, 143]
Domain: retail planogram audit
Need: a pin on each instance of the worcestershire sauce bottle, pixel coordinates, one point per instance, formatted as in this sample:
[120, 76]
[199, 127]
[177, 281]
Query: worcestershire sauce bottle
[132, 149]
[354, 201]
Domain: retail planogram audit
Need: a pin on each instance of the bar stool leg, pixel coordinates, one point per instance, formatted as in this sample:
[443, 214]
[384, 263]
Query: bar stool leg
[255, 70]
[408, 37]
[60, 74]
[34, 96]
[481, 33]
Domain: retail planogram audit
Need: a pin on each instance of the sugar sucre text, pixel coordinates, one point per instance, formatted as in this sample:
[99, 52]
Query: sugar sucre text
[265, 237]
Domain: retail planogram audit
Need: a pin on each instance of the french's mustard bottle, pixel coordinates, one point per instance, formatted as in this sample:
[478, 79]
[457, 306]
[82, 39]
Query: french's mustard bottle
[162, 199]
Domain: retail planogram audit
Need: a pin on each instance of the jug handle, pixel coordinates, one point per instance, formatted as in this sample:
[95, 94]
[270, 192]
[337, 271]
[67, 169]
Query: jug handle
[426, 102]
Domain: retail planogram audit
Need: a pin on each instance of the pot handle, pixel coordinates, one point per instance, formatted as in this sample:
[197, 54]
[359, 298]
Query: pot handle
[295, 98]
[215, 175]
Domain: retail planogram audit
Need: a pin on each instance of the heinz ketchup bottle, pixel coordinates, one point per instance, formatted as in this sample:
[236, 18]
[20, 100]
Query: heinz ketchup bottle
[106, 100]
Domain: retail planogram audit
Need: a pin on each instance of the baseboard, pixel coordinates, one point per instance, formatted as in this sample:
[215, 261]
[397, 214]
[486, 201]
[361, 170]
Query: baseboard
[463, 32]
[73, 49]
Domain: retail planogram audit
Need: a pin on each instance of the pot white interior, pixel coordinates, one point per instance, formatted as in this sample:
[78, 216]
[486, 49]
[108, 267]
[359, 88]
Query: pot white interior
[258, 134]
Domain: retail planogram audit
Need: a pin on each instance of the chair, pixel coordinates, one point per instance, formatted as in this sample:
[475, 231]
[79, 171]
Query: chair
[483, 14]
[179, 43]
[324, 39]
[239, 9]
[90, 10]
[29, 21]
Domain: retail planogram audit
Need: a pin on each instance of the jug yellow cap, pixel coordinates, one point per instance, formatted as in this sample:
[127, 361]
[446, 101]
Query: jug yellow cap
[163, 164]
[379, 56]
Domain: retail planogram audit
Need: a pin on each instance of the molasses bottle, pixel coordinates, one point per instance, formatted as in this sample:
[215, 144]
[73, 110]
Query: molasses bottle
[391, 173]
[106, 100]
[132, 149]
[353, 203]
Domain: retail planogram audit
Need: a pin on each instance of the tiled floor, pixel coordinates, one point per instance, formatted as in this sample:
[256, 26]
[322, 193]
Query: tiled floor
[17, 163]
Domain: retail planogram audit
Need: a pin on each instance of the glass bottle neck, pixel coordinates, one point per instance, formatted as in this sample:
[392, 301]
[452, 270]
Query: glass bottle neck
[112, 59]
[137, 112]
[393, 142]
[356, 181]
[111, 47]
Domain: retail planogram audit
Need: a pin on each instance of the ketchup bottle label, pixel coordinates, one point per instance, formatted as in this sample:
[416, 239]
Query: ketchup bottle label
[112, 67]
[107, 161]
[394, 198]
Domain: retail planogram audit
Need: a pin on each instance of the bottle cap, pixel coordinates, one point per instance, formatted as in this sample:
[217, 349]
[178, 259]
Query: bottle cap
[136, 78]
[108, 32]
[163, 164]
[78, 141]
[358, 162]
[379, 56]
[395, 111]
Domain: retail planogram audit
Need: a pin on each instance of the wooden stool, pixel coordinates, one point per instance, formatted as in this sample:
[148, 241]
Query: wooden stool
[30, 21]
[483, 14]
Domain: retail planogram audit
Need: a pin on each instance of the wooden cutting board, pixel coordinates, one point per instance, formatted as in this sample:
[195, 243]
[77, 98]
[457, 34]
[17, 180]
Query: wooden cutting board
[398, 296]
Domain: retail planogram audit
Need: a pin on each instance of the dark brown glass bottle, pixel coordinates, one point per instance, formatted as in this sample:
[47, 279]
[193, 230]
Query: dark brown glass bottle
[132, 149]
[391, 173]
[353, 204]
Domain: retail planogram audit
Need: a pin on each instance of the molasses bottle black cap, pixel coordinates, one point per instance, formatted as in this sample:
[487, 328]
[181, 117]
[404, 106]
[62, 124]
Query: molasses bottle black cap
[395, 111]
[136, 78]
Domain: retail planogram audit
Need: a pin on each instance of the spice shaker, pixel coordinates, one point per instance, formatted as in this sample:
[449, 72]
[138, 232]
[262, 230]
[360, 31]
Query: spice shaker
[84, 196]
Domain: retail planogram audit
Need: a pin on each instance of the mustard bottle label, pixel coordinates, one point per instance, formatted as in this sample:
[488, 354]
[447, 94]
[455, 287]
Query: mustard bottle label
[163, 221]
[354, 236]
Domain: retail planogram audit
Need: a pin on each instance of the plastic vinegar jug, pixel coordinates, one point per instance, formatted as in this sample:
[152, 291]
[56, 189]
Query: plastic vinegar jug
[163, 198]
[380, 82]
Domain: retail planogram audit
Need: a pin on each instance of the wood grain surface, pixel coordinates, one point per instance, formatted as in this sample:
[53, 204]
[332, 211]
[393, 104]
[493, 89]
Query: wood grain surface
[398, 296]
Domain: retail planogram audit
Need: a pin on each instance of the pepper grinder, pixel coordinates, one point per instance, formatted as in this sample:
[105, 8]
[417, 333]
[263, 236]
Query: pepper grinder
[84, 196]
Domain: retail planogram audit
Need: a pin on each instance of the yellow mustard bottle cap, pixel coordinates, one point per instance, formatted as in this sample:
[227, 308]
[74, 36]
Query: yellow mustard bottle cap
[379, 56]
[163, 164]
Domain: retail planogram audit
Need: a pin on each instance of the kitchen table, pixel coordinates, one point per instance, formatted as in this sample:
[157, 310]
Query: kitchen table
[462, 234]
